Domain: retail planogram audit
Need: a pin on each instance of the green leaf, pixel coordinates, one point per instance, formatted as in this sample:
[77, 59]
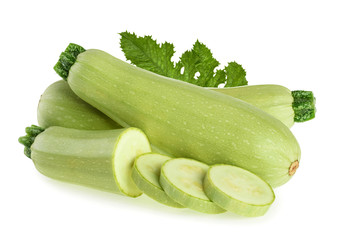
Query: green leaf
[201, 61]
[236, 75]
[196, 66]
[146, 53]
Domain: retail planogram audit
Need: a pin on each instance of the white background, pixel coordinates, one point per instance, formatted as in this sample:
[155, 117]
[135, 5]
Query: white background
[293, 43]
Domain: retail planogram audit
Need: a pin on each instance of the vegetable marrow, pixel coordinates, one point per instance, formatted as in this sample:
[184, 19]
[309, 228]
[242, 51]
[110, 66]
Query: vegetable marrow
[100, 159]
[182, 180]
[145, 175]
[285, 105]
[59, 106]
[238, 190]
[182, 119]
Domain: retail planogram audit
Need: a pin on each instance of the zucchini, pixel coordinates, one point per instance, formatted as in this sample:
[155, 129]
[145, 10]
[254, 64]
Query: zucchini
[182, 180]
[238, 190]
[285, 105]
[59, 106]
[181, 119]
[145, 174]
[100, 159]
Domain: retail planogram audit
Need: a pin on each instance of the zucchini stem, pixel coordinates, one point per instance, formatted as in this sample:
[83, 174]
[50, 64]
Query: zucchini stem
[303, 105]
[67, 59]
[31, 133]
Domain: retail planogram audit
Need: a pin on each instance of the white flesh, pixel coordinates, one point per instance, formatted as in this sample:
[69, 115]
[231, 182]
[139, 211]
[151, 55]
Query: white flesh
[146, 172]
[130, 144]
[182, 180]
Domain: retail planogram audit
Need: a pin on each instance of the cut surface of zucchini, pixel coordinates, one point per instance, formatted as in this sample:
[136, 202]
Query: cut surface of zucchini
[129, 145]
[145, 174]
[238, 190]
[182, 180]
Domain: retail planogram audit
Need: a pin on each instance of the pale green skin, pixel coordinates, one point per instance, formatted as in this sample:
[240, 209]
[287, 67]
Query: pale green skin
[182, 180]
[276, 100]
[184, 120]
[238, 190]
[59, 106]
[145, 175]
[100, 159]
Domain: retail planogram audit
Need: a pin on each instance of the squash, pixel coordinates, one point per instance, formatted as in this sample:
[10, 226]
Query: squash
[181, 119]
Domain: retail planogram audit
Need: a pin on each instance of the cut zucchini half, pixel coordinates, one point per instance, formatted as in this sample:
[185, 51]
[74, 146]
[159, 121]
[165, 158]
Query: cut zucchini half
[101, 159]
[145, 175]
[238, 190]
[182, 180]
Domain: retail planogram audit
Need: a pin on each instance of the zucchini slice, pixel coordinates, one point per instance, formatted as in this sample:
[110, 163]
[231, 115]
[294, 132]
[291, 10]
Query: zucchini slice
[145, 174]
[238, 190]
[182, 180]
[101, 159]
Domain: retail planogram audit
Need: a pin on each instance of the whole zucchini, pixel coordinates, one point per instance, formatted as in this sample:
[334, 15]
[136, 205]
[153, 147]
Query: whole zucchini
[59, 106]
[283, 104]
[100, 159]
[181, 119]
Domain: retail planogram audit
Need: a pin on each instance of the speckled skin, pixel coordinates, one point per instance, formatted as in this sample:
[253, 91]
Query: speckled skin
[185, 120]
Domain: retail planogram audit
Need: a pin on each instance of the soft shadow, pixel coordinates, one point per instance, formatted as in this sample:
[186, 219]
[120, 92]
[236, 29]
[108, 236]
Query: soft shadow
[144, 203]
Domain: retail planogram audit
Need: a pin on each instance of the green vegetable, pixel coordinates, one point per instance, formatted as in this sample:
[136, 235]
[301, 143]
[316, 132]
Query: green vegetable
[59, 106]
[182, 180]
[238, 190]
[280, 102]
[100, 159]
[145, 175]
[146, 53]
[182, 119]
